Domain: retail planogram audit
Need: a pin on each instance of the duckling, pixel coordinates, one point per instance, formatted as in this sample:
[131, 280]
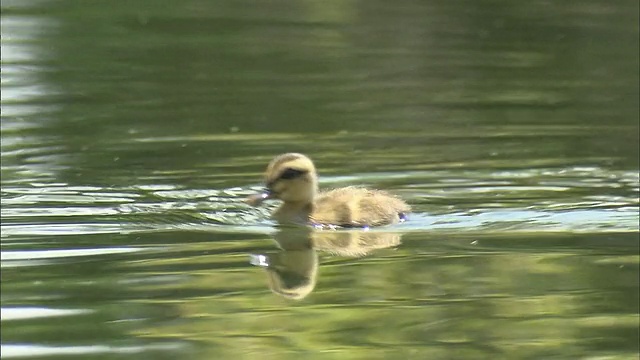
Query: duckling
[292, 178]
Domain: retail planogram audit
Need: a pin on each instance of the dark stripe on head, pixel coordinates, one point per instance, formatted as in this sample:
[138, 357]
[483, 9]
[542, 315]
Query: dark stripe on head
[291, 173]
[284, 158]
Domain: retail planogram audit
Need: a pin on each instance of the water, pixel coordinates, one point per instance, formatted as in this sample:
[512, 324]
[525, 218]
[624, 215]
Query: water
[132, 132]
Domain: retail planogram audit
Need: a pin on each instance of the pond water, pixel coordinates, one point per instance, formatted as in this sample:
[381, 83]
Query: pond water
[132, 131]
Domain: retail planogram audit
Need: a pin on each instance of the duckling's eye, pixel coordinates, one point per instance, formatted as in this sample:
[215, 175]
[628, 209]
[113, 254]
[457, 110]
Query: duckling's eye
[290, 173]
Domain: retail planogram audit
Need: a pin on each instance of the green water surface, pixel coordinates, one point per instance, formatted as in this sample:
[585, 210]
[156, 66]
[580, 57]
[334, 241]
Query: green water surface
[133, 130]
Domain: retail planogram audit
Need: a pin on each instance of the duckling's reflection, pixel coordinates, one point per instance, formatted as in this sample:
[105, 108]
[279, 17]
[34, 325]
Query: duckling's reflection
[292, 271]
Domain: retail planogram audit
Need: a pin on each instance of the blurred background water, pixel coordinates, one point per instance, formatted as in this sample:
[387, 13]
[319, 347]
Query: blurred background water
[131, 131]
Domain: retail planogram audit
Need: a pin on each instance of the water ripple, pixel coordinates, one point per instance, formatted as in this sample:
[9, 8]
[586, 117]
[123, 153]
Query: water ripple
[567, 199]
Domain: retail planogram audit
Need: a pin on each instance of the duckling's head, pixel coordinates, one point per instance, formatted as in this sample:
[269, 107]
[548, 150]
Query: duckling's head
[291, 178]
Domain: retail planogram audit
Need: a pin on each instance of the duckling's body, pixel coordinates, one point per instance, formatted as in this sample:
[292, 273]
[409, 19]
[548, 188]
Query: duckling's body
[292, 178]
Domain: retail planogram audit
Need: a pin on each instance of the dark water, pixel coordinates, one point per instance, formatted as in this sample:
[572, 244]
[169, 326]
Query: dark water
[131, 131]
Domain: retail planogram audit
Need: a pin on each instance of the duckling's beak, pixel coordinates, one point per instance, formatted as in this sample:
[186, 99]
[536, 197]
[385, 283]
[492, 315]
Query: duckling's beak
[257, 199]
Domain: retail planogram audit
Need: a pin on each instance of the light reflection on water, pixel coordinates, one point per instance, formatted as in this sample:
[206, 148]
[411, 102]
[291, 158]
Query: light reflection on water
[22, 351]
[552, 200]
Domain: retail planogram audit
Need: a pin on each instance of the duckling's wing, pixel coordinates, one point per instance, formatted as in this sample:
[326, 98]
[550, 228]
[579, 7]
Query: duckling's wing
[357, 207]
[381, 208]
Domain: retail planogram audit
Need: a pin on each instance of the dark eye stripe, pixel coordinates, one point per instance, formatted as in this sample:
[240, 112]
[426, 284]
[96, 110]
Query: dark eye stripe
[290, 173]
